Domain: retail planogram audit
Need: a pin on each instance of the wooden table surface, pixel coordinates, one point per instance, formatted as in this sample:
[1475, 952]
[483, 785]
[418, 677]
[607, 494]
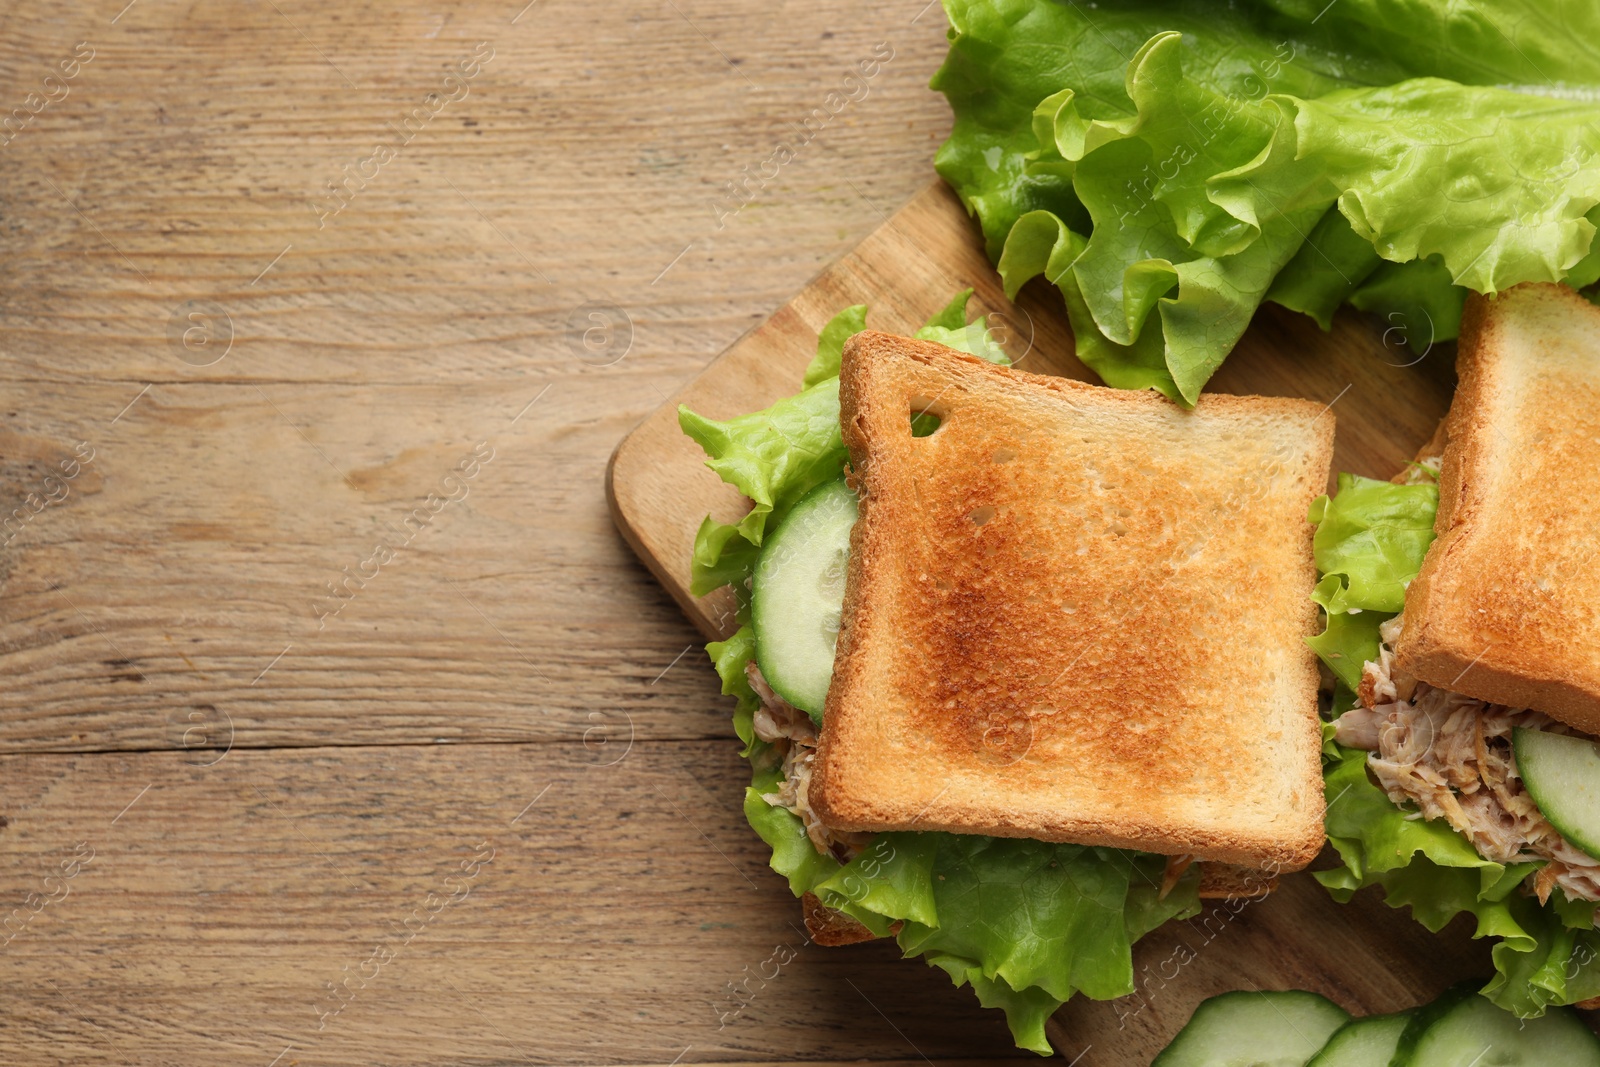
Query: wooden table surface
[338, 725]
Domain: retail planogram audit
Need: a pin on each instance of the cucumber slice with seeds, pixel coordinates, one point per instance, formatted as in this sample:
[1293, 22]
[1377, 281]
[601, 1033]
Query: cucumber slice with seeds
[1368, 1042]
[1269, 1029]
[1562, 774]
[797, 594]
[1462, 1028]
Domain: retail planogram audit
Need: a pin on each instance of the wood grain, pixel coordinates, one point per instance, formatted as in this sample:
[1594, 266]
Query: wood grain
[213, 912]
[585, 168]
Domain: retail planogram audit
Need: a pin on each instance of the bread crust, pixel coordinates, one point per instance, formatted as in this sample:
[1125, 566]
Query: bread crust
[1503, 608]
[1219, 881]
[830, 928]
[937, 720]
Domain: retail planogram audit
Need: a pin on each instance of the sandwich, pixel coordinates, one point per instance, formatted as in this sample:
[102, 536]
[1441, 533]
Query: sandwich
[1463, 632]
[1021, 666]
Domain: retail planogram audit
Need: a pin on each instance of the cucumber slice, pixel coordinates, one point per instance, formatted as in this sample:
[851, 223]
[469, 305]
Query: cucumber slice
[1368, 1042]
[1462, 1028]
[1254, 1030]
[1562, 774]
[797, 594]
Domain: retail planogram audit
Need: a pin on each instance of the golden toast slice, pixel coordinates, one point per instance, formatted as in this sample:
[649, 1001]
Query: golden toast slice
[1075, 613]
[1507, 606]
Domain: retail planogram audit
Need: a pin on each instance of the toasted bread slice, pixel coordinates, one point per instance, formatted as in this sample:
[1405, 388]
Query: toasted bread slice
[1507, 607]
[831, 928]
[1219, 881]
[1075, 613]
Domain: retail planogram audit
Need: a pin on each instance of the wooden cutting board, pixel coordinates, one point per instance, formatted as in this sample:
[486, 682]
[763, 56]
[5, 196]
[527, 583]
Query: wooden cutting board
[1387, 402]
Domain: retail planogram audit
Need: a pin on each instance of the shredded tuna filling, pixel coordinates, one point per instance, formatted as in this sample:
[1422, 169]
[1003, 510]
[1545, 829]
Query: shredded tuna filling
[1450, 755]
[792, 733]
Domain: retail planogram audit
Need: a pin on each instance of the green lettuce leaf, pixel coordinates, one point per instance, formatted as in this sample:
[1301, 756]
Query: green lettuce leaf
[1375, 535]
[1026, 1011]
[1375, 840]
[1326, 270]
[1350, 638]
[793, 855]
[1006, 56]
[1031, 914]
[1193, 153]
[1498, 183]
[1040, 243]
[1487, 42]
[1369, 544]
[1416, 301]
[830, 343]
[892, 878]
[1025, 923]
[729, 658]
[951, 329]
[1587, 270]
[774, 456]
[722, 556]
[953, 316]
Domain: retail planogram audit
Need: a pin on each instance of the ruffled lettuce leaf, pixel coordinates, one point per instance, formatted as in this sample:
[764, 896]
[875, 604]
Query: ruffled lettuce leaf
[830, 343]
[1416, 301]
[793, 855]
[953, 316]
[1350, 635]
[1034, 914]
[1026, 1010]
[1370, 541]
[1194, 152]
[1374, 535]
[774, 456]
[729, 658]
[1486, 42]
[1006, 56]
[1025, 923]
[951, 329]
[1040, 243]
[1326, 270]
[1369, 544]
[1496, 182]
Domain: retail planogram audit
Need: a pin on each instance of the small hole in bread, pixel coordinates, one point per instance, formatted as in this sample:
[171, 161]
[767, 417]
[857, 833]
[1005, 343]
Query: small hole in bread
[926, 415]
[1004, 455]
[979, 516]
